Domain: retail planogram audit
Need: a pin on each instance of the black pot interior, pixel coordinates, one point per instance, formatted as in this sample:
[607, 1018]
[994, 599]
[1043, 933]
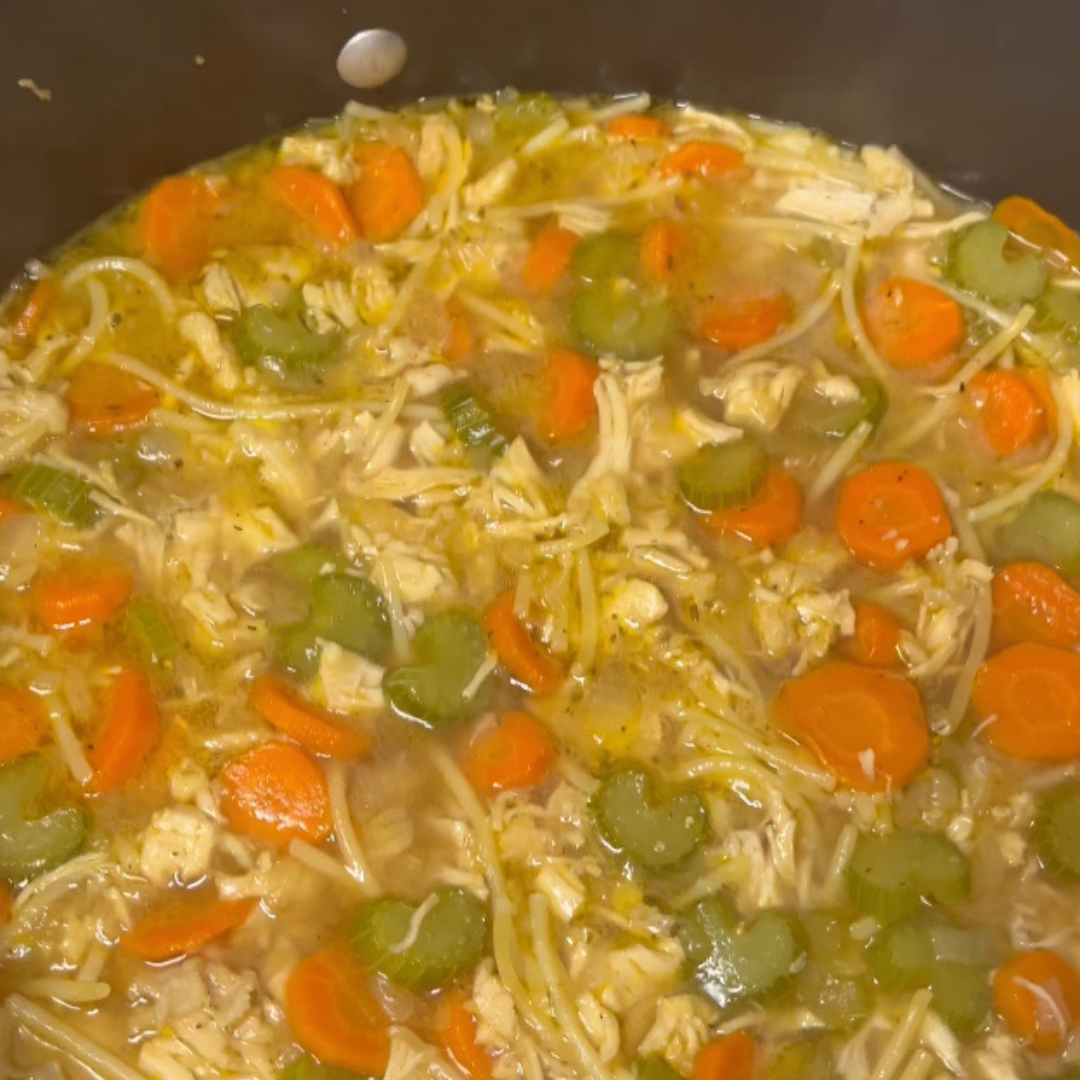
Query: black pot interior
[978, 92]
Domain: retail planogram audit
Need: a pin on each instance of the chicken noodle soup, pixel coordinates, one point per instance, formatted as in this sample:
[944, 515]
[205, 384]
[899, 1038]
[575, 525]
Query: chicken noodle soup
[525, 588]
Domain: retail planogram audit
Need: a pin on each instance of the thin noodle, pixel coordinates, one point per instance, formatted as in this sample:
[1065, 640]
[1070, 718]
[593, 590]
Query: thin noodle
[844, 455]
[851, 313]
[121, 265]
[345, 832]
[95, 326]
[902, 1040]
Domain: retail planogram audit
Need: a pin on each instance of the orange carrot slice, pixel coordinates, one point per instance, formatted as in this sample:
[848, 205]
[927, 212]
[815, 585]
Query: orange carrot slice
[456, 1034]
[636, 126]
[1032, 602]
[183, 924]
[333, 1013]
[316, 201]
[708, 160]
[128, 733]
[23, 723]
[103, 400]
[1011, 408]
[891, 513]
[772, 515]
[867, 726]
[661, 244]
[514, 752]
[911, 323]
[1037, 226]
[569, 405]
[1037, 994]
[275, 793]
[528, 661]
[84, 594]
[320, 732]
[737, 324]
[388, 194]
[731, 1057]
[1027, 702]
[175, 223]
[35, 309]
[549, 257]
[876, 638]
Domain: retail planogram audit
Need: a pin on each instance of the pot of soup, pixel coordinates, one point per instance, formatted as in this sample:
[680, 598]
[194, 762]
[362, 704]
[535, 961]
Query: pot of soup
[555, 567]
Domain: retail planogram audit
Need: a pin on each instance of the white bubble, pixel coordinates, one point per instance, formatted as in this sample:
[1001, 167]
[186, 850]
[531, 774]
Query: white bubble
[371, 58]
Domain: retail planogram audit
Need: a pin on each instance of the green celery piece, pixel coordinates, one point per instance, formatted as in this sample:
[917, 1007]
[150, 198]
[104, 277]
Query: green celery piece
[1055, 833]
[1047, 529]
[620, 317]
[978, 264]
[719, 475]
[281, 344]
[65, 495]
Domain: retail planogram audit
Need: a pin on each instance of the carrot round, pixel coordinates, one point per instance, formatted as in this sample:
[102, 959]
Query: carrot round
[770, 516]
[891, 513]
[569, 402]
[1032, 602]
[23, 723]
[175, 225]
[1011, 408]
[128, 733]
[514, 752]
[528, 661]
[912, 323]
[709, 160]
[1027, 702]
[661, 243]
[867, 726]
[1037, 226]
[1037, 994]
[35, 309]
[737, 324]
[333, 1013]
[636, 126]
[103, 399]
[549, 257]
[459, 340]
[183, 924]
[876, 638]
[731, 1057]
[456, 1034]
[320, 732]
[388, 194]
[316, 201]
[276, 793]
[84, 594]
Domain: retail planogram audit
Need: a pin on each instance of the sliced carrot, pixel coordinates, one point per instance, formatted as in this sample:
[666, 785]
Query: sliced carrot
[84, 594]
[867, 726]
[334, 1014]
[23, 723]
[128, 733]
[34, 310]
[1037, 226]
[772, 515]
[459, 342]
[912, 323]
[661, 244]
[316, 201]
[1011, 411]
[388, 194]
[1037, 994]
[183, 923]
[709, 160]
[320, 732]
[1032, 602]
[175, 224]
[876, 638]
[569, 405]
[276, 793]
[7, 903]
[735, 324]
[1027, 702]
[456, 1034]
[731, 1057]
[8, 507]
[514, 752]
[528, 661]
[636, 126]
[891, 513]
[103, 399]
[549, 257]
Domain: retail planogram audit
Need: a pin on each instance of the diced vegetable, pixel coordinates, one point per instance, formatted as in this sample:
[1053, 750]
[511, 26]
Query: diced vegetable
[1034, 603]
[175, 222]
[1055, 833]
[977, 262]
[1037, 994]
[928, 951]
[619, 317]
[184, 923]
[876, 640]
[105, 400]
[306, 562]
[281, 344]
[30, 844]
[471, 421]
[425, 946]
[456, 1033]
[734, 962]
[659, 834]
[514, 751]
[736, 323]
[720, 475]
[889, 875]
[820, 417]
[770, 516]
[350, 611]
[1058, 311]
[520, 117]
[569, 404]
[129, 731]
[307, 1068]
[1016, 408]
[315, 730]
[388, 193]
[316, 201]
[655, 1068]
[65, 495]
[296, 649]
[81, 594]
[912, 324]
[729, 1057]
[840, 1003]
[529, 661]
[1039, 227]
[148, 628]
[549, 257]
[450, 648]
[35, 309]
[1047, 529]
[806, 1058]
[24, 725]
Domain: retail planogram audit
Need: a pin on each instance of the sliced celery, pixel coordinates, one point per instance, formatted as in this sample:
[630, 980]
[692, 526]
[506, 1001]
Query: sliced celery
[281, 344]
[1055, 833]
[718, 475]
[607, 255]
[148, 628]
[1047, 529]
[63, 494]
[977, 263]
[471, 421]
[350, 611]
[820, 417]
[307, 1068]
[619, 317]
